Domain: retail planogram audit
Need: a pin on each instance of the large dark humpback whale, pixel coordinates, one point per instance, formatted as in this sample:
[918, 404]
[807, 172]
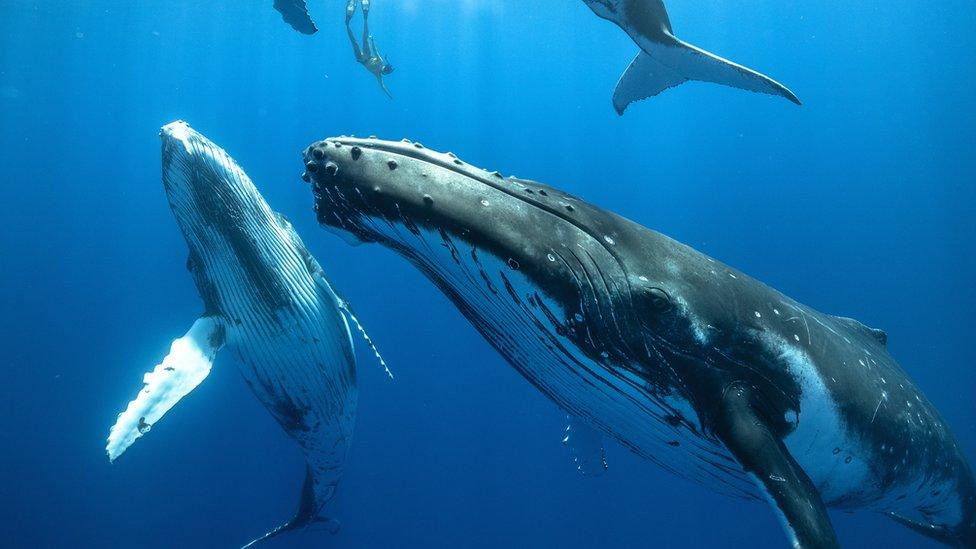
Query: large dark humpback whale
[685, 361]
[665, 61]
[266, 298]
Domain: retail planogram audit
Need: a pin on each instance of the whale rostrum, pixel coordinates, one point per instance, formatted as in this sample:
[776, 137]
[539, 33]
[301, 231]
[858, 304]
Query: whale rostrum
[683, 360]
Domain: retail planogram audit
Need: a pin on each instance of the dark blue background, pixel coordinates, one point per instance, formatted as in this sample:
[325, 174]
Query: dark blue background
[860, 203]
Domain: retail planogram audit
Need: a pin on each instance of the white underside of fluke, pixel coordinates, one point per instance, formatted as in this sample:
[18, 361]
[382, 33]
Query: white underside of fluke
[188, 363]
[659, 66]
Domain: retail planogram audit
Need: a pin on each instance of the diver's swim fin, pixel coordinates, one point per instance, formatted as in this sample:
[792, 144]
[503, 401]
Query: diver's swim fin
[188, 363]
[670, 64]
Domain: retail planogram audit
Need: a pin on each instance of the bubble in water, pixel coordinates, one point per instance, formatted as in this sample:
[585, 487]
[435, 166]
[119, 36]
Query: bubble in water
[550, 257]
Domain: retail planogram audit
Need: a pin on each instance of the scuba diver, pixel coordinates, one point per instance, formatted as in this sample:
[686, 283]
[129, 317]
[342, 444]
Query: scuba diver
[367, 55]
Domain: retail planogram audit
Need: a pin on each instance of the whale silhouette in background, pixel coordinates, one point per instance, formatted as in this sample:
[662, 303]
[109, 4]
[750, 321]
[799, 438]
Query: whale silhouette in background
[683, 360]
[665, 61]
[266, 298]
[295, 13]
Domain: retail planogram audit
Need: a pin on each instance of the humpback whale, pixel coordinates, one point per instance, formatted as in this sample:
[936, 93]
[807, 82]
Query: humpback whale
[267, 299]
[664, 61]
[683, 360]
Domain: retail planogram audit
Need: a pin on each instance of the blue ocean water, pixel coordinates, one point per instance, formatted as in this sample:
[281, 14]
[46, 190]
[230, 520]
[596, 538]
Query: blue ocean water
[859, 203]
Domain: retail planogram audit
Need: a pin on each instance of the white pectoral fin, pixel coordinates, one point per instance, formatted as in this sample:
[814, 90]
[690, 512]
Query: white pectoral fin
[188, 363]
[586, 446]
[645, 77]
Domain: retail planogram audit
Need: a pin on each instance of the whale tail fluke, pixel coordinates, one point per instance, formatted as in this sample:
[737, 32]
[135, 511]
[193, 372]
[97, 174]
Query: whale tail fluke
[309, 509]
[664, 65]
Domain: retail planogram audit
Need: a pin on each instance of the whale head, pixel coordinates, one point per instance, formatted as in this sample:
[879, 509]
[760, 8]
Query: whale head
[235, 240]
[516, 256]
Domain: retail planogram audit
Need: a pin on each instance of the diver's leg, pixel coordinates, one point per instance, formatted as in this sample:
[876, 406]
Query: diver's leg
[367, 49]
[350, 10]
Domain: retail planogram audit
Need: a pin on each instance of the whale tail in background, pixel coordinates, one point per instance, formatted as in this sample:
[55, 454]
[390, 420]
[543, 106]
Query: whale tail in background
[309, 508]
[659, 66]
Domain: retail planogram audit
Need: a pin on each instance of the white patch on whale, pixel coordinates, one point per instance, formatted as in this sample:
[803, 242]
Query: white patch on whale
[820, 430]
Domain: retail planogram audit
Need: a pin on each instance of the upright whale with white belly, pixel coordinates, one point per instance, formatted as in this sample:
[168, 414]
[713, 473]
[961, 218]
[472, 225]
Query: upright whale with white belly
[266, 298]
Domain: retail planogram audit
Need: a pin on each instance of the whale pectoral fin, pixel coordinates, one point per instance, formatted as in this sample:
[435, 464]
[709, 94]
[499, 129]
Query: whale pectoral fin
[188, 363]
[662, 65]
[762, 454]
[586, 446]
[645, 77]
[295, 13]
[349, 316]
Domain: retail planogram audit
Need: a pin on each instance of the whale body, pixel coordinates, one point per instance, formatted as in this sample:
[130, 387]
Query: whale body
[683, 360]
[267, 300]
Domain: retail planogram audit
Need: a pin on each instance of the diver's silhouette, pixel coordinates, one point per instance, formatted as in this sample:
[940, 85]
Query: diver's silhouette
[367, 55]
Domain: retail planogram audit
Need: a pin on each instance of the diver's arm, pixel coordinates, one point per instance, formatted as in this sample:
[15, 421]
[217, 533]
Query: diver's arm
[379, 80]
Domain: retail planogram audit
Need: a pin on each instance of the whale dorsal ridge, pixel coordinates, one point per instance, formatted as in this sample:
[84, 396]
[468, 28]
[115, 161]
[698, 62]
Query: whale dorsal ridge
[878, 335]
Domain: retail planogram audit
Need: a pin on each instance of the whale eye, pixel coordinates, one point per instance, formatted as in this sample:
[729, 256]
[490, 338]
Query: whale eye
[659, 300]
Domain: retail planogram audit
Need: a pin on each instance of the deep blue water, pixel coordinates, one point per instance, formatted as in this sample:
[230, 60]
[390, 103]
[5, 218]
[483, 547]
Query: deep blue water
[859, 203]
